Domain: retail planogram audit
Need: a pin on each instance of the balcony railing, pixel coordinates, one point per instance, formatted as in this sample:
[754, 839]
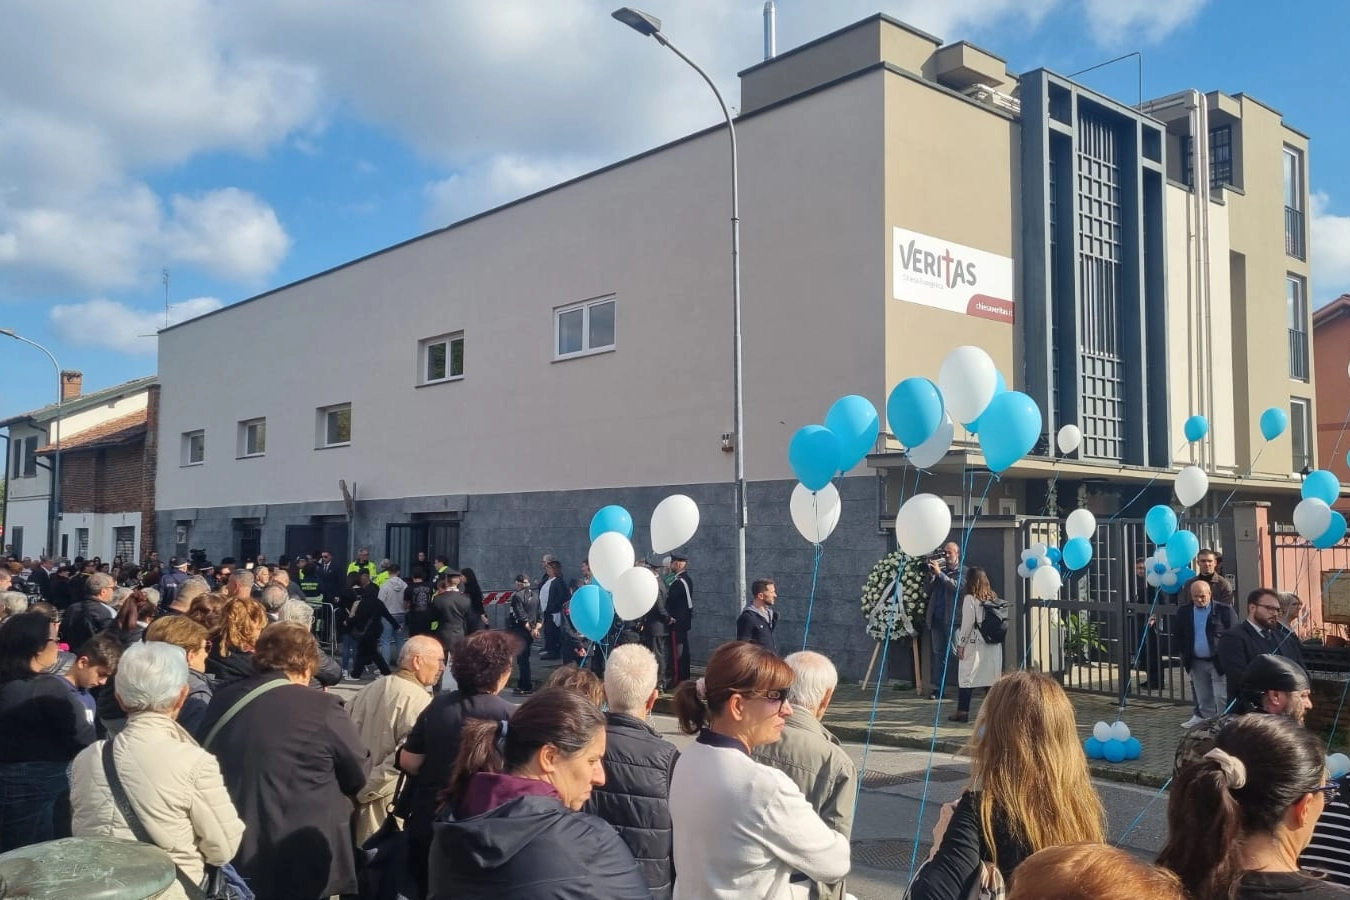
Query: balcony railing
[1298, 354]
[1294, 244]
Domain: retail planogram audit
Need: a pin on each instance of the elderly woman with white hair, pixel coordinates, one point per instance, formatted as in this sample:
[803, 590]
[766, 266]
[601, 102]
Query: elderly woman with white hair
[811, 756]
[301, 613]
[173, 786]
[12, 603]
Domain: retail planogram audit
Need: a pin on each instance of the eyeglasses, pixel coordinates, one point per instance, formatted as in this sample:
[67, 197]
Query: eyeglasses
[1328, 791]
[782, 698]
[1274, 609]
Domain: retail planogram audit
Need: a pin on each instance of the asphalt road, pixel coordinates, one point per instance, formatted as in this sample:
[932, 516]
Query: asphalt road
[884, 829]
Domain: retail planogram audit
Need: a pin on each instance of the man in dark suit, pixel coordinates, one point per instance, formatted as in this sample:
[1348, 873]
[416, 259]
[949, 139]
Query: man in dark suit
[93, 615]
[680, 605]
[1260, 633]
[1200, 626]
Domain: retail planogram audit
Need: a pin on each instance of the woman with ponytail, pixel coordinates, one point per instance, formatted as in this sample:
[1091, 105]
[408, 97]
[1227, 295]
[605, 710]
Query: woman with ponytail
[511, 825]
[1238, 818]
[742, 829]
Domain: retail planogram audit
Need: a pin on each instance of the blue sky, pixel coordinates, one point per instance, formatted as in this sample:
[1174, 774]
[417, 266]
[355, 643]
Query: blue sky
[244, 145]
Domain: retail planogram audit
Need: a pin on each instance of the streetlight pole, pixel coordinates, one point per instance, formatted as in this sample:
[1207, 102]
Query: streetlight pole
[54, 527]
[650, 26]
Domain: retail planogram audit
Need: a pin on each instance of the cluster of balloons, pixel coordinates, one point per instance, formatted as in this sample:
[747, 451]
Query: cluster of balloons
[1040, 563]
[620, 587]
[1112, 742]
[817, 453]
[1314, 518]
[1169, 568]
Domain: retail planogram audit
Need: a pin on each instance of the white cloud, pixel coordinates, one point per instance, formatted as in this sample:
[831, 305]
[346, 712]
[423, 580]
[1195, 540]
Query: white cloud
[1114, 23]
[118, 327]
[497, 180]
[1330, 235]
[229, 233]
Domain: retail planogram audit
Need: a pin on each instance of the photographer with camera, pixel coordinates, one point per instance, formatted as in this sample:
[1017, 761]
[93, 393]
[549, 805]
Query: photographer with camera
[944, 578]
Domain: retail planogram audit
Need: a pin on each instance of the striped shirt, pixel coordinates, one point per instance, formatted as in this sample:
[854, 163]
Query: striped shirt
[1329, 849]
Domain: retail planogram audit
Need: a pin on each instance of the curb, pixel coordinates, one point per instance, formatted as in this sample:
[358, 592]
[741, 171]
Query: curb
[665, 705]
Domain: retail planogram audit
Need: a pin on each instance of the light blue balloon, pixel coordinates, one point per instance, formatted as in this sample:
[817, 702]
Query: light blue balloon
[592, 611]
[1077, 553]
[1273, 423]
[1010, 427]
[1172, 588]
[1133, 749]
[855, 423]
[1185, 574]
[1053, 554]
[1093, 748]
[1335, 531]
[1032, 563]
[611, 518]
[914, 410]
[814, 456]
[1160, 568]
[1160, 523]
[1196, 428]
[1181, 549]
[1000, 387]
[1322, 485]
[1114, 751]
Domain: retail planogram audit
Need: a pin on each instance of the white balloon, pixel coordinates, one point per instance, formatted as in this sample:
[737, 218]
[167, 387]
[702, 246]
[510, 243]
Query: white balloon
[1045, 583]
[1023, 571]
[635, 593]
[674, 522]
[1192, 484]
[968, 380]
[1102, 731]
[922, 524]
[1039, 549]
[1028, 554]
[1153, 579]
[1168, 579]
[1312, 517]
[1081, 523]
[1120, 731]
[611, 555]
[932, 451]
[1069, 438]
[815, 515]
[1338, 764]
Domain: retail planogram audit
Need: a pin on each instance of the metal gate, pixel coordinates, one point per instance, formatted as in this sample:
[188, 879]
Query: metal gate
[1107, 632]
[404, 540]
[330, 536]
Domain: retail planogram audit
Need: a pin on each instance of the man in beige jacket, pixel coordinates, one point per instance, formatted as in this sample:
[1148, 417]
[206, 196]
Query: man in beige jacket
[384, 712]
[811, 756]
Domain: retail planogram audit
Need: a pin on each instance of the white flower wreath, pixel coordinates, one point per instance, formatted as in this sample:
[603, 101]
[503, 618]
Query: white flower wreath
[880, 607]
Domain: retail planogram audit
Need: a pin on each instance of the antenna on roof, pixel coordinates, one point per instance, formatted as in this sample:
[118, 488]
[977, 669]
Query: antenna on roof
[770, 30]
[164, 276]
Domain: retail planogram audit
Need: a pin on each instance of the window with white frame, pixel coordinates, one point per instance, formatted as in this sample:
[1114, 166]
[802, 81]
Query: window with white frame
[441, 358]
[194, 448]
[334, 426]
[1300, 433]
[252, 437]
[82, 542]
[584, 328]
[124, 542]
[1296, 306]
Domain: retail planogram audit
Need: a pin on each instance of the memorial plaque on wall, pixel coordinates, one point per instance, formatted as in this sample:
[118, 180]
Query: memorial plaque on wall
[1335, 598]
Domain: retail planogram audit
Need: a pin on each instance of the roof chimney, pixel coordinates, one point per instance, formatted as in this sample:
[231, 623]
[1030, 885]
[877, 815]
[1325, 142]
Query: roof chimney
[770, 30]
[71, 385]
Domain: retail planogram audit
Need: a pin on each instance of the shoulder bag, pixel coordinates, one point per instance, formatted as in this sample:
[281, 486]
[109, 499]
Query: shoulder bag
[238, 706]
[215, 886]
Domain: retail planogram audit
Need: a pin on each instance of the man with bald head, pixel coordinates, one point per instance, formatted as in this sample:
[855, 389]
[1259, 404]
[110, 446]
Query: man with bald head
[384, 712]
[1200, 623]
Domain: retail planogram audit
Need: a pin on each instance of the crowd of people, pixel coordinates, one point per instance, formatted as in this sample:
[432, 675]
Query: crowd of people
[194, 714]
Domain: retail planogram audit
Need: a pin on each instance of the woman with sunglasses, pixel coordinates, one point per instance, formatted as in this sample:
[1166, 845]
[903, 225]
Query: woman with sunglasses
[1238, 818]
[742, 829]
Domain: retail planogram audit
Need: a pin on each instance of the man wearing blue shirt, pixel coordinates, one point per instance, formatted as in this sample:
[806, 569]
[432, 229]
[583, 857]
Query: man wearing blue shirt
[1199, 625]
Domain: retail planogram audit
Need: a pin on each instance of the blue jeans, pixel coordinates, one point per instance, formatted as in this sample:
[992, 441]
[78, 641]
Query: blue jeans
[940, 640]
[348, 652]
[34, 803]
[397, 638]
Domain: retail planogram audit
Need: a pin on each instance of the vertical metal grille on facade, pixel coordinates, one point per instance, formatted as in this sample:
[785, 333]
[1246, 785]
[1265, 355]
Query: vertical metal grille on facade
[1293, 233]
[1101, 368]
[124, 542]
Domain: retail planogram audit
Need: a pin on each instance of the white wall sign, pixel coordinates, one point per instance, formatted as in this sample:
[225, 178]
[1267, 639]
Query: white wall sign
[951, 276]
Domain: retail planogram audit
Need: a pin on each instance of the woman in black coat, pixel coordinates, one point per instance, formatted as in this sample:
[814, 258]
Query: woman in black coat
[231, 659]
[511, 826]
[293, 762]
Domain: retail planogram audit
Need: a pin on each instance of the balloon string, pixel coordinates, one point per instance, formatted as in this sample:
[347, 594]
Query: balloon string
[881, 677]
[1143, 639]
[946, 662]
[815, 572]
[1244, 477]
[1342, 434]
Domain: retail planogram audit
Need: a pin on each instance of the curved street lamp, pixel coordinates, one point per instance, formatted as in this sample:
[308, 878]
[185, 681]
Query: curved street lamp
[650, 26]
[54, 526]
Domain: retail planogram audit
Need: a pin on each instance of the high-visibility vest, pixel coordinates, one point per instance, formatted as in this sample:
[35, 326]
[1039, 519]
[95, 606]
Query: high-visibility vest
[368, 567]
[381, 578]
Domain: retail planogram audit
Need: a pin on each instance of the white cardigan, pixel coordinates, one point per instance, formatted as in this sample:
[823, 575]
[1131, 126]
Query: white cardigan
[741, 829]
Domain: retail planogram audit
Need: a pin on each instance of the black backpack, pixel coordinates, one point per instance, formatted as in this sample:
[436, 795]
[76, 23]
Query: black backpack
[993, 621]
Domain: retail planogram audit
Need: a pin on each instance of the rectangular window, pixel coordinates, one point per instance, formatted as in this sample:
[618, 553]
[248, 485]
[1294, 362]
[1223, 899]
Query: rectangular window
[28, 451]
[1220, 158]
[82, 542]
[124, 542]
[180, 539]
[193, 450]
[442, 358]
[1296, 306]
[1294, 231]
[252, 437]
[16, 540]
[335, 426]
[1300, 431]
[584, 328]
